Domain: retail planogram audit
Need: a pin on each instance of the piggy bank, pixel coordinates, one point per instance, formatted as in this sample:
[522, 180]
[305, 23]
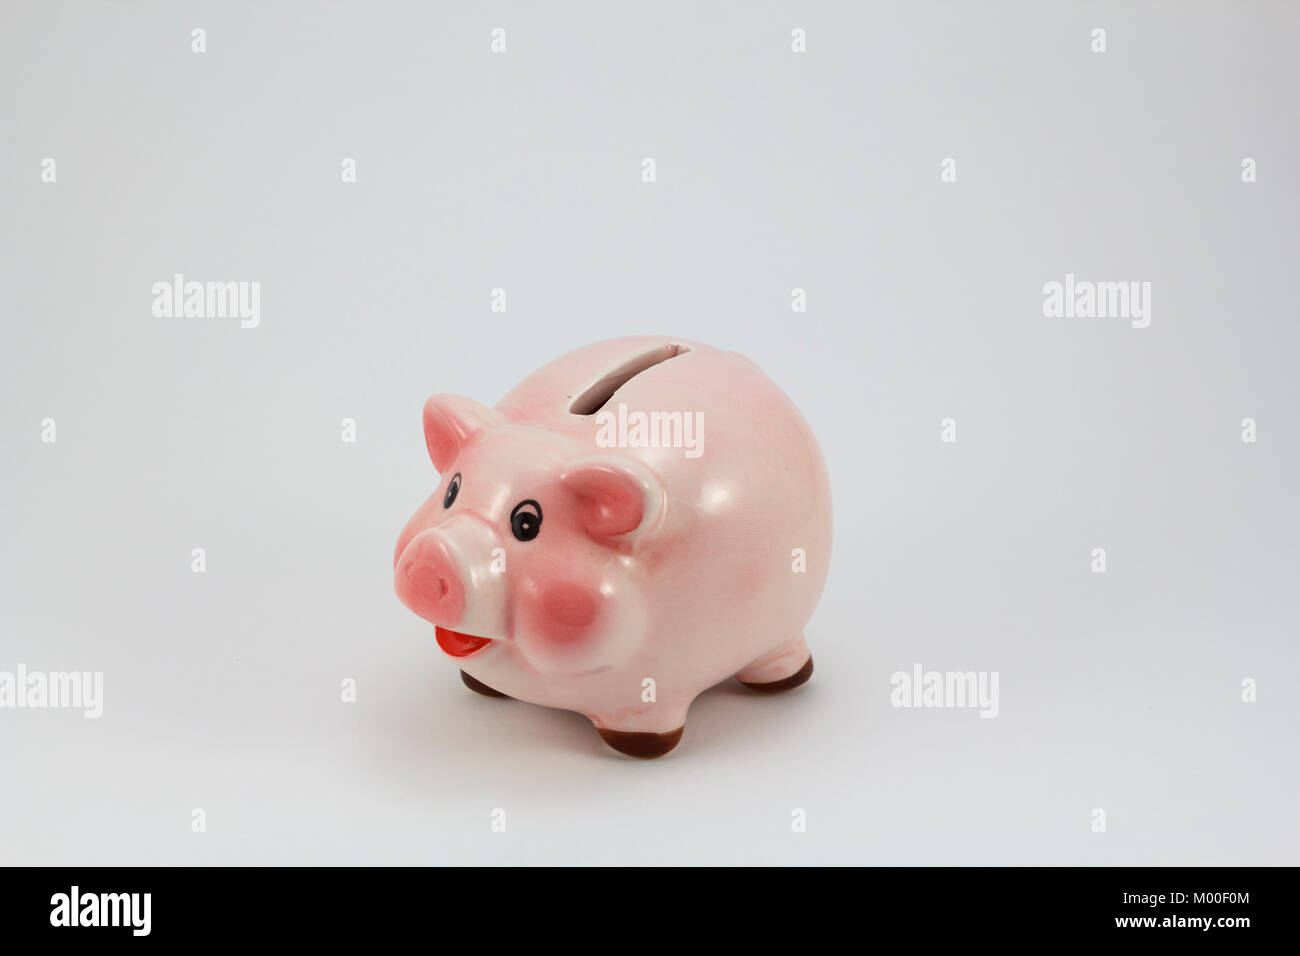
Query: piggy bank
[635, 522]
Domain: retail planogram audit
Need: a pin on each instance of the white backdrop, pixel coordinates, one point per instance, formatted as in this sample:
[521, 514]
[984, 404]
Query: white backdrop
[775, 170]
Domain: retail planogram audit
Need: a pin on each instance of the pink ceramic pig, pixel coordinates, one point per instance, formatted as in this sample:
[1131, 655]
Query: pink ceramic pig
[635, 522]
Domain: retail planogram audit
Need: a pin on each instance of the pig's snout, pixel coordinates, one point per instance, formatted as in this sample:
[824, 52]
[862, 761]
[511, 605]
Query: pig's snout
[429, 581]
[444, 574]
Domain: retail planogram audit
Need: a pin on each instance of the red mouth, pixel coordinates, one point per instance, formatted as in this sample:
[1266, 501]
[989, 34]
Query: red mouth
[457, 644]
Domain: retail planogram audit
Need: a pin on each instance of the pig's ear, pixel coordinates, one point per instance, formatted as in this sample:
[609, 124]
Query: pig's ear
[449, 422]
[615, 497]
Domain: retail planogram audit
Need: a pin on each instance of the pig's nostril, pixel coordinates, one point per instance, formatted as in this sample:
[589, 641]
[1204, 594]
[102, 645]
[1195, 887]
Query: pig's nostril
[435, 585]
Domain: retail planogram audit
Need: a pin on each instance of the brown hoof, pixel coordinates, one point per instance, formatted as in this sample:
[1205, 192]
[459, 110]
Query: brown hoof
[794, 680]
[479, 687]
[646, 746]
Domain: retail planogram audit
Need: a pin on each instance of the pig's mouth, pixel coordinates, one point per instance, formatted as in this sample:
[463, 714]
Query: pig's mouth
[457, 644]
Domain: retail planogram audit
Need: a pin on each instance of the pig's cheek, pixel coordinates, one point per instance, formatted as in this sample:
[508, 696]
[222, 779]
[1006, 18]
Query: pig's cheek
[560, 616]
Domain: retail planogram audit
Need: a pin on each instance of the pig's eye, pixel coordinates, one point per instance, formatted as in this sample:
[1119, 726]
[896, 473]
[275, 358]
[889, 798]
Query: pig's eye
[526, 520]
[453, 490]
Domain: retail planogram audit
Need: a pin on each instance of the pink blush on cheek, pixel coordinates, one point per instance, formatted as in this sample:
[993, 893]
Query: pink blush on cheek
[567, 610]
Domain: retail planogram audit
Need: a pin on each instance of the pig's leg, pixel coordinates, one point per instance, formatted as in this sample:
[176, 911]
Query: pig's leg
[626, 738]
[637, 743]
[788, 666]
[479, 687]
